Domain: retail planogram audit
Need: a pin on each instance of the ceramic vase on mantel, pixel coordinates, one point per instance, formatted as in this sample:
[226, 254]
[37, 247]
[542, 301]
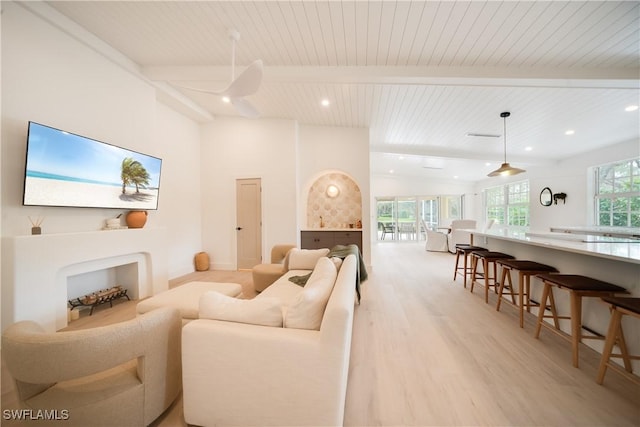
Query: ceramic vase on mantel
[136, 219]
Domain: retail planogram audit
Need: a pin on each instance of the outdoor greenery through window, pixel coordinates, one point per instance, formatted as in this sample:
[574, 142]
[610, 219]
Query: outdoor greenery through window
[408, 218]
[508, 205]
[617, 198]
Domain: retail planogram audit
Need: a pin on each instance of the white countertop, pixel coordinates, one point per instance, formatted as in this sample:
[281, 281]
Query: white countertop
[599, 230]
[601, 246]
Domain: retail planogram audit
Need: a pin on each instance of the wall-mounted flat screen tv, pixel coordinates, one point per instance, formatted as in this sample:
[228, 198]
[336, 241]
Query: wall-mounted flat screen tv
[64, 169]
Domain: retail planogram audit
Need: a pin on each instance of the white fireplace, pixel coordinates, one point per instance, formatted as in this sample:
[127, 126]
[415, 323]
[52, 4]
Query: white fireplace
[37, 269]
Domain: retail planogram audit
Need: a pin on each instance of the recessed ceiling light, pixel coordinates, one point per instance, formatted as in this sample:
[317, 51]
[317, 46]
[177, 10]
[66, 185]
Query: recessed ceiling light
[528, 148]
[455, 177]
[226, 99]
[487, 164]
[570, 132]
[391, 171]
[631, 108]
[325, 102]
[401, 158]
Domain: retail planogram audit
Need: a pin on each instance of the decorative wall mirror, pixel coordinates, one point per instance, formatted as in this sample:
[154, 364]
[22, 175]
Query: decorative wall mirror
[546, 196]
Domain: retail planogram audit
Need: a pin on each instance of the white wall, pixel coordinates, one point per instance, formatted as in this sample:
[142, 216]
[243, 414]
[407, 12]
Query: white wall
[570, 176]
[323, 149]
[180, 207]
[52, 78]
[239, 148]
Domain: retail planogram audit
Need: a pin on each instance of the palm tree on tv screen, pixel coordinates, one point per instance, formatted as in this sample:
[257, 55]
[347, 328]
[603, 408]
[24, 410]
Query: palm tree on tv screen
[133, 173]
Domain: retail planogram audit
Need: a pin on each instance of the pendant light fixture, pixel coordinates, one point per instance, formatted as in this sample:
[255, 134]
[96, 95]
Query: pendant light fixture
[506, 169]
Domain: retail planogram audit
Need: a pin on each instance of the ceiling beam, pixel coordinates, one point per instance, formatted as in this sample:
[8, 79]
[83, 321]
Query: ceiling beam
[449, 76]
[444, 153]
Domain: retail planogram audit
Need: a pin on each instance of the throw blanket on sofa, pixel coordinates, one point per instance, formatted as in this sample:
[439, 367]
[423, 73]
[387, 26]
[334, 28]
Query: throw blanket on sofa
[341, 251]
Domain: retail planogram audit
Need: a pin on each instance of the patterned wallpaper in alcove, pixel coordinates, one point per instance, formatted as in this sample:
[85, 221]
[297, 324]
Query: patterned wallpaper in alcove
[337, 212]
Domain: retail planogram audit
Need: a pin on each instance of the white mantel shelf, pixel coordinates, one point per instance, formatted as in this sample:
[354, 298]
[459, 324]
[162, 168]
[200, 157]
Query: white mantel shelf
[34, 276]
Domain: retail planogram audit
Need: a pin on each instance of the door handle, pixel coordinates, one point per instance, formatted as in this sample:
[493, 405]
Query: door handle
[238, 228]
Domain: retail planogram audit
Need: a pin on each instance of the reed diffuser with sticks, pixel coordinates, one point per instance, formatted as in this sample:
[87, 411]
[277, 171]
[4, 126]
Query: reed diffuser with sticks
[35, 225]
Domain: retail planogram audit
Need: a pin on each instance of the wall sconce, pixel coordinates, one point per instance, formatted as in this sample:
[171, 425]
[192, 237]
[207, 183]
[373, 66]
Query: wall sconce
[333, 191]
[559, 196]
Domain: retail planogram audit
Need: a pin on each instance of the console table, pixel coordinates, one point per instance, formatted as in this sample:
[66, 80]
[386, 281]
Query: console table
[329, 237]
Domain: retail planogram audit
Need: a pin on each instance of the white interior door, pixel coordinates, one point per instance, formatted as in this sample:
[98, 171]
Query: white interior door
[249, 222]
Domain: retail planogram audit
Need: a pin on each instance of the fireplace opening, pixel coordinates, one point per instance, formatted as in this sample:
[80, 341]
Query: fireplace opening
[85, 288]
[92, 277]
[86, 283]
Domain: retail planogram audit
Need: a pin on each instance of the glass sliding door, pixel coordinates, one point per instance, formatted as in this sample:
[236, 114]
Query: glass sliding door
[428, 214]
[386, 218]
[407, 218]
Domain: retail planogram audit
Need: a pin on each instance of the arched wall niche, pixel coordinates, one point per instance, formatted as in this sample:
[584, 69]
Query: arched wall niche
[337, 210]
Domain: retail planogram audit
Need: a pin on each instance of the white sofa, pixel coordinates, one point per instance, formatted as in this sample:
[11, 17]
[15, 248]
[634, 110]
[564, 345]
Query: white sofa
[247, 374]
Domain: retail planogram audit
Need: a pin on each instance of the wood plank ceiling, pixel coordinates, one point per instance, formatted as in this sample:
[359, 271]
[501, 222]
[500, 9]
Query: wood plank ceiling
[418, 74]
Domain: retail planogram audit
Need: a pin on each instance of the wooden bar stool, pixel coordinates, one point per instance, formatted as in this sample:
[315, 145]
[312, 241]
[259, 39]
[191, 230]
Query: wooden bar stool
[488, 259]
[578, 287]
[620, 306]
[464, 251]
[525, 269]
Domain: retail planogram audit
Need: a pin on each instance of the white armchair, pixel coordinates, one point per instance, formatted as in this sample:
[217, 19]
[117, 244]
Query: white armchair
[460, 233]
[123, 374]
[436, 241]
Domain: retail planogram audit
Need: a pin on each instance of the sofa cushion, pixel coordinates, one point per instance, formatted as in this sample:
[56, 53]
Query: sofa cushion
[257, 311]
[283, 288]
[304, 259]
[307, 310]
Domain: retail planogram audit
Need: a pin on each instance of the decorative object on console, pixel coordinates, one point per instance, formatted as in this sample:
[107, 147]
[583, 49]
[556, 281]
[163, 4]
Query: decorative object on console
[35, 225]
[113, 223]
[546, 196]
[136, 219]
[505, 169]
[559, 196]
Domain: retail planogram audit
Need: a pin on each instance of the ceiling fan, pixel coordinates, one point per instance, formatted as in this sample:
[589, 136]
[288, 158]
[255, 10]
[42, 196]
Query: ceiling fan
[247, 83]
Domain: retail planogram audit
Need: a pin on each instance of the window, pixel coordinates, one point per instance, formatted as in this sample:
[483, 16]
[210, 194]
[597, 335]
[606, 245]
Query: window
[617, 195]
[407, 218]
[429, 211]
[508, 205]
[452, 207]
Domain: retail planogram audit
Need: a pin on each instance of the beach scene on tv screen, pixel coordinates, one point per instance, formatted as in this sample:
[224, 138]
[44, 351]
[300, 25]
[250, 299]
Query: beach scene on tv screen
[64, 169]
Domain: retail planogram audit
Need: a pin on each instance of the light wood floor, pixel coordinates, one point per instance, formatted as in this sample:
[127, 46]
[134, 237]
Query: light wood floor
[425, 351]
